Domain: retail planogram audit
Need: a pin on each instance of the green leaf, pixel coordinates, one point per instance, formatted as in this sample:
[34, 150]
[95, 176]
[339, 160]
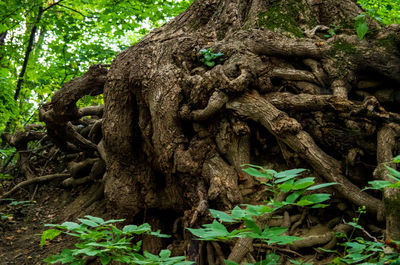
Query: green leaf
[396, 159]
[303, 183]
[250, 224]
[222, 216]
[362, 29]
[393, 173]
[313, 199]
[165, 253]
[355, 225]
[238, 213]
[256, 173]
[291, 172]
[88, 222]
[70, 226]
[319, 186]
[293, 197]
[97, 220]
[49, 234]
[210, 64]
[378, 184]
[212, 231]
[105, 260]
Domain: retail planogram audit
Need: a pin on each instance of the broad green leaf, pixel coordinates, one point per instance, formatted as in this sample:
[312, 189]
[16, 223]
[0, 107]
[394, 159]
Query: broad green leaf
[287, 185]
[396, 159]
[230, 262]
[250, 224]
[105, 260]
[319, 186]
[222, 216]
[303, 183]
[97, 220]
[393, 173]
[293, 197]
[49, 234]
[71, 226]
[291, 172]
[378, 184]
[165, 253]
[256, 173]
[355, 225]
[313, 199]
[238, 213]
[362, 29]
[88, 222]
[355, 247]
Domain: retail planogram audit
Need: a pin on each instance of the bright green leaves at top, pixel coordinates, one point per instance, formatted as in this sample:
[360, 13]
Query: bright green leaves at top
[386, 11]
[71, 35]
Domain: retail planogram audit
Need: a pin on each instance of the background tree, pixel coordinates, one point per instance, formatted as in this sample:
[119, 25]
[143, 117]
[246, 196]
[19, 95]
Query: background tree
[44, 44]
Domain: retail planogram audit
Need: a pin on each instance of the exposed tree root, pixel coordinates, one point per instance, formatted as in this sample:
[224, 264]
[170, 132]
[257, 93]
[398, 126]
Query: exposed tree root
[289, 131]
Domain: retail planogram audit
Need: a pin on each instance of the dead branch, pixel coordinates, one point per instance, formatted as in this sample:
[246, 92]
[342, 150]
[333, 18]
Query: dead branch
[32, 181]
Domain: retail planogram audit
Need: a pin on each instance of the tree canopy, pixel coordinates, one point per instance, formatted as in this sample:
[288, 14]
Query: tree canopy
[44, 44]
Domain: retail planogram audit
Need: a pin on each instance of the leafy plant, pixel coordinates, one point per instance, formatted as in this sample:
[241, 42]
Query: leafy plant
[288, 182]
[392, 173]
[103, 239]
[361, 25]
[332, 31]
[210, 58]
[4, 177]
[358, 249]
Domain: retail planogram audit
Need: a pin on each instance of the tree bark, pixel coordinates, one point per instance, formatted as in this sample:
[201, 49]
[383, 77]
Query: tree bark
[283, 94]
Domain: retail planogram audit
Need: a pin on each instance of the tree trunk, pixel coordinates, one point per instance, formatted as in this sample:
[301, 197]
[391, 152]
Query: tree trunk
[175, 131]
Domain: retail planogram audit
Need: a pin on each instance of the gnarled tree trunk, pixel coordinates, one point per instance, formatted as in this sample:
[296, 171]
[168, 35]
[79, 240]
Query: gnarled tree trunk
[175, 132]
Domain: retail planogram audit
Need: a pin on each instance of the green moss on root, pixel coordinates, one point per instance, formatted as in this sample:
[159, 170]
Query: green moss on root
[281, 18]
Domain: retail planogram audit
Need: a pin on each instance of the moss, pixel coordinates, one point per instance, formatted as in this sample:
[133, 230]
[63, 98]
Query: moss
[342, 46]
[390, 43]
[282, 17]
[392, 205]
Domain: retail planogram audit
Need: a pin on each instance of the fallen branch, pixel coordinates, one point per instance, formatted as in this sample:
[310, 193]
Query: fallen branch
[34, 180]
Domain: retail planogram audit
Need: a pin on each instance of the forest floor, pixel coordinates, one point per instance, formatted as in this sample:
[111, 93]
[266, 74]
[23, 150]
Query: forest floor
[20, 233]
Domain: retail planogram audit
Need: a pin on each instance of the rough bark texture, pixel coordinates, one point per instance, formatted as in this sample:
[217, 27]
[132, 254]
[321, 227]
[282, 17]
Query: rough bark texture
[175, 132]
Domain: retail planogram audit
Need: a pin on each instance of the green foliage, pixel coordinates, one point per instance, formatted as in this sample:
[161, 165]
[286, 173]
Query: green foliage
[210, 58]
[332, 31]
[357, 250]
[386, 11]
[103, 239]
[361, 25]
[71, 35]
[290, 182]
[392, 173]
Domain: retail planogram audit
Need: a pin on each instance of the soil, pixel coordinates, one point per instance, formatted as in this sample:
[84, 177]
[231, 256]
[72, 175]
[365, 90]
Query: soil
[20, 232]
